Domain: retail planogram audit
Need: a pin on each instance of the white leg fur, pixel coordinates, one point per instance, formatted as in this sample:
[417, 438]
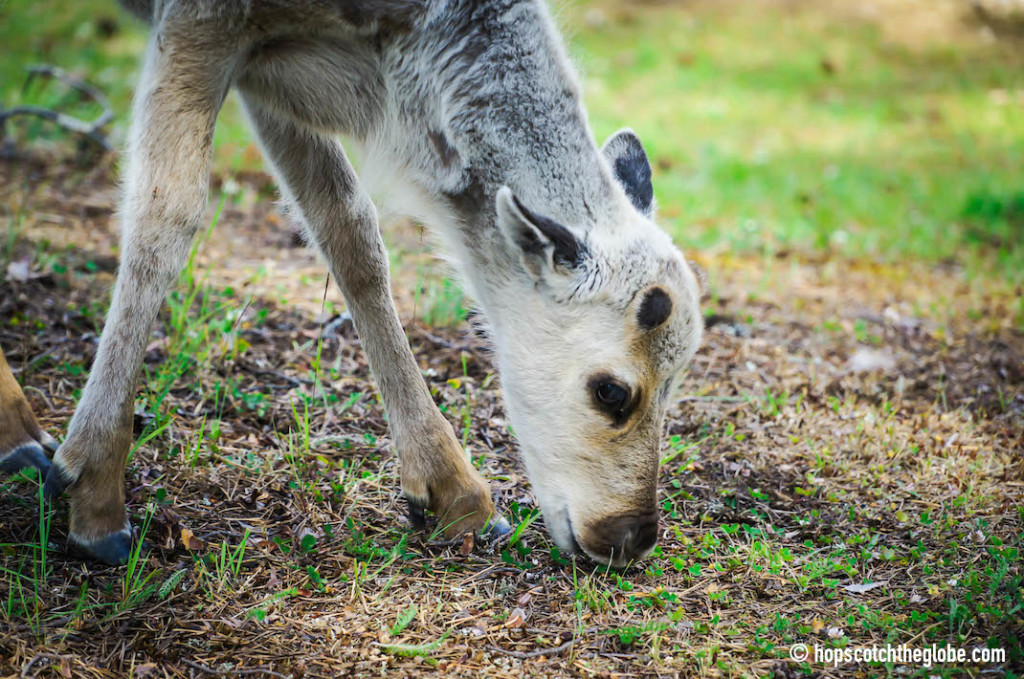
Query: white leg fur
[164, 203]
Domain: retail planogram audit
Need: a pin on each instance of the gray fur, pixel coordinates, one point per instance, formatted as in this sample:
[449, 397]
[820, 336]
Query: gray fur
[472, 104]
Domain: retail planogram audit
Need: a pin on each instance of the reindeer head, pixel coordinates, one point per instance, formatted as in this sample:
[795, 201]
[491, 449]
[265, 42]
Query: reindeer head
[589, 349]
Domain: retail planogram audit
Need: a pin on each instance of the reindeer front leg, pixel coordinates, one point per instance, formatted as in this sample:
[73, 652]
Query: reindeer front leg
[318, 179]
[22, 442]
[184, 80]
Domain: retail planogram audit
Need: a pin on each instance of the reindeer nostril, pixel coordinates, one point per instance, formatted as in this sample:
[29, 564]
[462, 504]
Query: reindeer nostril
[646, 535]
[623, 536]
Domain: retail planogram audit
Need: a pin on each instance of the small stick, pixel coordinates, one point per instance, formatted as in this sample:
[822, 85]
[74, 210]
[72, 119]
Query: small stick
[90, 129]
[236, 673]
[534, 654]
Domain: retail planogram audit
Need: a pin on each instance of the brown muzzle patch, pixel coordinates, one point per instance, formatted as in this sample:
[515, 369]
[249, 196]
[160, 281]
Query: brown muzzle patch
[622, 536]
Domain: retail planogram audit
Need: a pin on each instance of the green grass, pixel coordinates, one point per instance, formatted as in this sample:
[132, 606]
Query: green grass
[72, 37]
[897, 153]
[817, 134]
[698, 600]
[888, 151]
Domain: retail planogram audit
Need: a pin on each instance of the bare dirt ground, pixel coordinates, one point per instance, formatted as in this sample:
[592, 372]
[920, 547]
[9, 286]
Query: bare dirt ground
[844, 423]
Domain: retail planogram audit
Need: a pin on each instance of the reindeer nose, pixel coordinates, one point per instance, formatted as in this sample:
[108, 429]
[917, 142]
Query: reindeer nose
[623, 537]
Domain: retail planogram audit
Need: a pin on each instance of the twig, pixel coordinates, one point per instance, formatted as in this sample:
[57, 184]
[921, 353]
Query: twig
[71, 81]
[27, 667]
[90, 129]
[41, 394]
[494, 570]
[521, 655]
[49, 624]
[235, 673]
[441, 342]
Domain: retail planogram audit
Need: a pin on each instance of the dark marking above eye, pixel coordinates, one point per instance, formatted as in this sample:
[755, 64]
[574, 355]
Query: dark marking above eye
[655, 309]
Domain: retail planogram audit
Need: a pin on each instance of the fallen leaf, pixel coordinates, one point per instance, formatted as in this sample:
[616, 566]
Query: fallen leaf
[516, 619]
[467, 545]
[19, 271]
[860, 589]
[866, 360]
[190, 541]
[524, 599]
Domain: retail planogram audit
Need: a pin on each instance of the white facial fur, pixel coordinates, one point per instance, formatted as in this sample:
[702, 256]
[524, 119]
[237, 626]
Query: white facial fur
[563, 326]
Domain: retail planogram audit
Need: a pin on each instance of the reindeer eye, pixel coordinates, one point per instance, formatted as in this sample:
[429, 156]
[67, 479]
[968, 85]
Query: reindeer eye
[611, 396]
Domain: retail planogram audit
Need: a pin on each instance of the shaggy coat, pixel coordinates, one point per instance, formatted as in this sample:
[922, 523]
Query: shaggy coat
[469, 114]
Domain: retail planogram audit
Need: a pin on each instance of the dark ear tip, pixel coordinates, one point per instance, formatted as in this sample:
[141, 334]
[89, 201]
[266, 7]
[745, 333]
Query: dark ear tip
[625, 137]
[655, 309]
[519, 206]
[632, 168]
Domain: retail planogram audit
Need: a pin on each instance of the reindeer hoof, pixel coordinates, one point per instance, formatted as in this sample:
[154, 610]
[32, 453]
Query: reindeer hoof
[27, 455]
[56, 482]
[113, 549]
[496, 527]
[416, 513]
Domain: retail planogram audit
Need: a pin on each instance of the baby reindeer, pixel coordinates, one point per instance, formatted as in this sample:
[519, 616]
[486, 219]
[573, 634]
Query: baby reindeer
[473, 106]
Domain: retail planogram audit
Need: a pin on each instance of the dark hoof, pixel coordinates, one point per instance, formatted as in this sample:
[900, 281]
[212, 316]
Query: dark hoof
[496, 527]
[28, 455]
[56, 482]
[416, 514]
[112, 549]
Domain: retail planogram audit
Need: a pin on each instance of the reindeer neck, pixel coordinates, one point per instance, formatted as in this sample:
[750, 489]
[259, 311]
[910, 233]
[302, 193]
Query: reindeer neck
[490, 82]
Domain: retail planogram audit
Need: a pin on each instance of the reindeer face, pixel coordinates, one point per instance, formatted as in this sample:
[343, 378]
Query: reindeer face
[589, 355]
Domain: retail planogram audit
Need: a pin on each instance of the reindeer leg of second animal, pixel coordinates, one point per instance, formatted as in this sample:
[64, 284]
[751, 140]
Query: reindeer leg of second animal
[183, 84]
[22, 443]
[318, 179]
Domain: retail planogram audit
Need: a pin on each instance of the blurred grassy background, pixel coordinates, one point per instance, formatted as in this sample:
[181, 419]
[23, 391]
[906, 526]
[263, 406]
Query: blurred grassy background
[881, 130]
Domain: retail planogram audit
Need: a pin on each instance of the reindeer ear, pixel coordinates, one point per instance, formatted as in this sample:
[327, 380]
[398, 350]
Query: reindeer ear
[542, 242]
[632, 169]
